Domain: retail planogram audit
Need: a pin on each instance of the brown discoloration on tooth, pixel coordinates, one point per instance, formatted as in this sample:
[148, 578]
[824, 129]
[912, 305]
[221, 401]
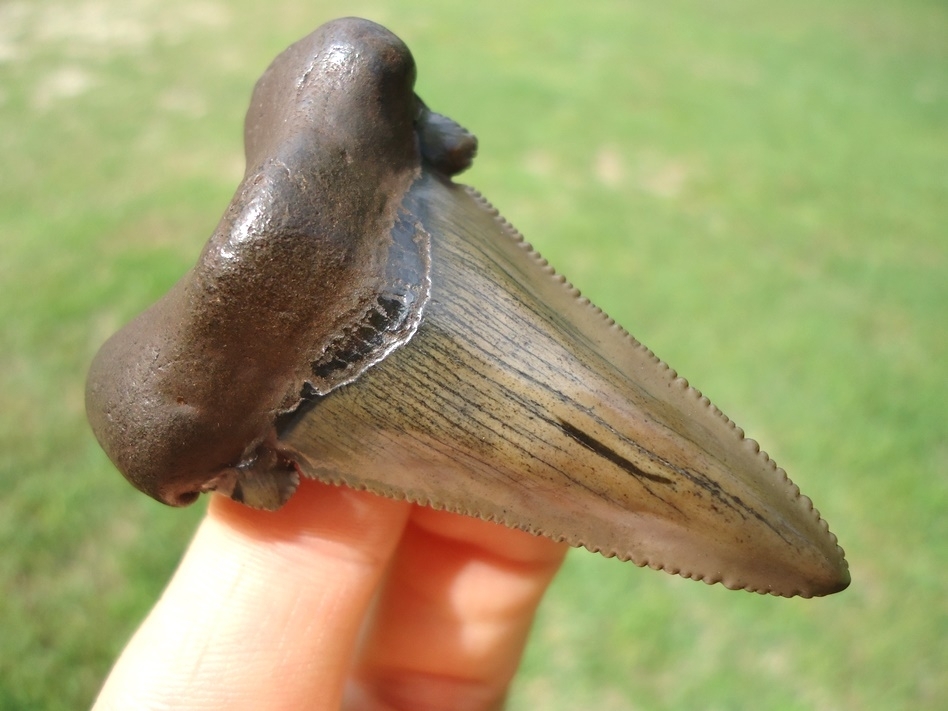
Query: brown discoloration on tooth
[359, 318]
[301, 266]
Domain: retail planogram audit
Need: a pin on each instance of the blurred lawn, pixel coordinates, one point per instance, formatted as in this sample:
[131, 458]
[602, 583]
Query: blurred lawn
[757, 190]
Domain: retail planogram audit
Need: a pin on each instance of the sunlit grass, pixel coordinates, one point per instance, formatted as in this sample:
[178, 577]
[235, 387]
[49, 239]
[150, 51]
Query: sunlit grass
[757, 191]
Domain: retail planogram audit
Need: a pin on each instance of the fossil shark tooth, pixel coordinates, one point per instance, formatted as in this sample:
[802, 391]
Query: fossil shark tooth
[360, 318]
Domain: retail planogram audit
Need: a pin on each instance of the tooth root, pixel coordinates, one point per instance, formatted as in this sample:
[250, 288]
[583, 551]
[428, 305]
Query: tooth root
[519, 402]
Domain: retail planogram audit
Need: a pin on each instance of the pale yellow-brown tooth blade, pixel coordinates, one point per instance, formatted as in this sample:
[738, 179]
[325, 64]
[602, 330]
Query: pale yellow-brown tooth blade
[517, 401]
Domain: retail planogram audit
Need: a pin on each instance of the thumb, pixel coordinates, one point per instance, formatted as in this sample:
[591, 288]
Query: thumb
[265, 608]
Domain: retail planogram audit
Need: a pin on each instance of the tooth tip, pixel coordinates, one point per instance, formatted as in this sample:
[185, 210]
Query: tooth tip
[656, 530]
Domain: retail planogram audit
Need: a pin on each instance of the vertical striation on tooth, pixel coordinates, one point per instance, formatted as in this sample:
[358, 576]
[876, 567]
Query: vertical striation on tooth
[793, 492]
[520, 402]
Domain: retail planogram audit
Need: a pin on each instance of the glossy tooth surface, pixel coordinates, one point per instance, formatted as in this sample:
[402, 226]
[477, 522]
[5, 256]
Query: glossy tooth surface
[518, 401]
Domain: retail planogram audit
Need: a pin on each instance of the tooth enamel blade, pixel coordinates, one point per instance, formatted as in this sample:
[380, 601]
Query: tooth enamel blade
[518, 401]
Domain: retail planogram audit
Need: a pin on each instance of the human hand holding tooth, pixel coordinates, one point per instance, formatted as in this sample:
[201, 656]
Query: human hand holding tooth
[360, 319]
[341, 599]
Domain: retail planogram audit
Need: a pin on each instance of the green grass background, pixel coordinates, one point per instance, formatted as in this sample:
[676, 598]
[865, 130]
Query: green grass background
[756, 190]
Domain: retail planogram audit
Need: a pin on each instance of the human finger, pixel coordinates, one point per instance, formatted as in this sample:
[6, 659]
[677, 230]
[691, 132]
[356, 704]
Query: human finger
[265, 608]
[453, 616]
